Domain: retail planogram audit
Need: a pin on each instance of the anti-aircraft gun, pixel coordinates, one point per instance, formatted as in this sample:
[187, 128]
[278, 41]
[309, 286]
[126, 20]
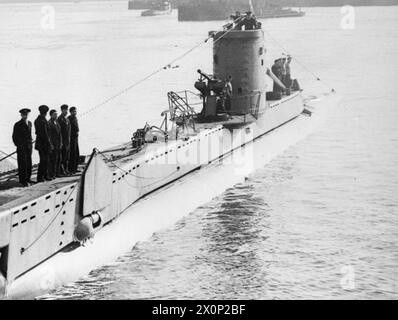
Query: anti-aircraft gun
[213, 96]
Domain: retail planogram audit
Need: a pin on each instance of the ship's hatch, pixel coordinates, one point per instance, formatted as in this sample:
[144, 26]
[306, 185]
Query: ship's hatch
[97, 185]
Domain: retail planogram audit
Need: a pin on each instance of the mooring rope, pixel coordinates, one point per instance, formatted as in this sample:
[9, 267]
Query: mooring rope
[165, 67]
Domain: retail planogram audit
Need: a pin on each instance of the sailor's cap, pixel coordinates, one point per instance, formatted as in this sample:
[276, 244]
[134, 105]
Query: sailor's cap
[43, 108]
[24, 111]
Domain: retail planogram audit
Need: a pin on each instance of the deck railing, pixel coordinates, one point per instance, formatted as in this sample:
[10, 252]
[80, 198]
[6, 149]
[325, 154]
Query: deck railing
[246, 104]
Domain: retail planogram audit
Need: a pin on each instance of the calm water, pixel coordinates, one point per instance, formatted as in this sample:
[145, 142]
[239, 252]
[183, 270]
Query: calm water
[324, 210]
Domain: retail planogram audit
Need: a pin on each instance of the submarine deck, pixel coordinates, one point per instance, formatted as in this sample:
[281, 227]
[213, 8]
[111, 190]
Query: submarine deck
[12, 194]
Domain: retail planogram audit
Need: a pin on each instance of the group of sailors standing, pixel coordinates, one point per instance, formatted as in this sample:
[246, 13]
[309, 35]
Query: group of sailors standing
[56, 142]
[281, 74]
[243, 22]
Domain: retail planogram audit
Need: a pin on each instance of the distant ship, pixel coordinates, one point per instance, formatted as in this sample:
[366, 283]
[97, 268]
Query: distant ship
[145, 4]
[148, 4]
[157, 9]
[340, 3]
[207, 10]
[138, 5]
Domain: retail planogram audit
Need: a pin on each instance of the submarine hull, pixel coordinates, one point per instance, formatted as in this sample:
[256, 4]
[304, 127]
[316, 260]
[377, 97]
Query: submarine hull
[117, 188]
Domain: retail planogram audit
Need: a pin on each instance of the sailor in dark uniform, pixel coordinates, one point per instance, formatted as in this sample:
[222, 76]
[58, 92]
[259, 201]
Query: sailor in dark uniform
[65, 132]
[43, 144]
[277, 70]
[22, 138]
[237, 20]
[74, 141]
[250, 21]
[56, 141]
[236, 16]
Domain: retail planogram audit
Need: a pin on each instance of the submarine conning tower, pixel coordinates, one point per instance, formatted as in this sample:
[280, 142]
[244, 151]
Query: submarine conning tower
[241, 55]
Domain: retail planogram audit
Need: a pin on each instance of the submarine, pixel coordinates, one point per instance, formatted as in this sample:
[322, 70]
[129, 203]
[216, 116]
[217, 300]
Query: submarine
[52, 221]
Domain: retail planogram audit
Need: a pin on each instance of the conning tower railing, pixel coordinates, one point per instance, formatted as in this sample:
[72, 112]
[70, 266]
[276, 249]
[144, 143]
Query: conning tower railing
[246, 104]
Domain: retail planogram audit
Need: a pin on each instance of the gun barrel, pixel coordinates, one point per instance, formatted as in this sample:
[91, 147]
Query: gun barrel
[204, 74]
